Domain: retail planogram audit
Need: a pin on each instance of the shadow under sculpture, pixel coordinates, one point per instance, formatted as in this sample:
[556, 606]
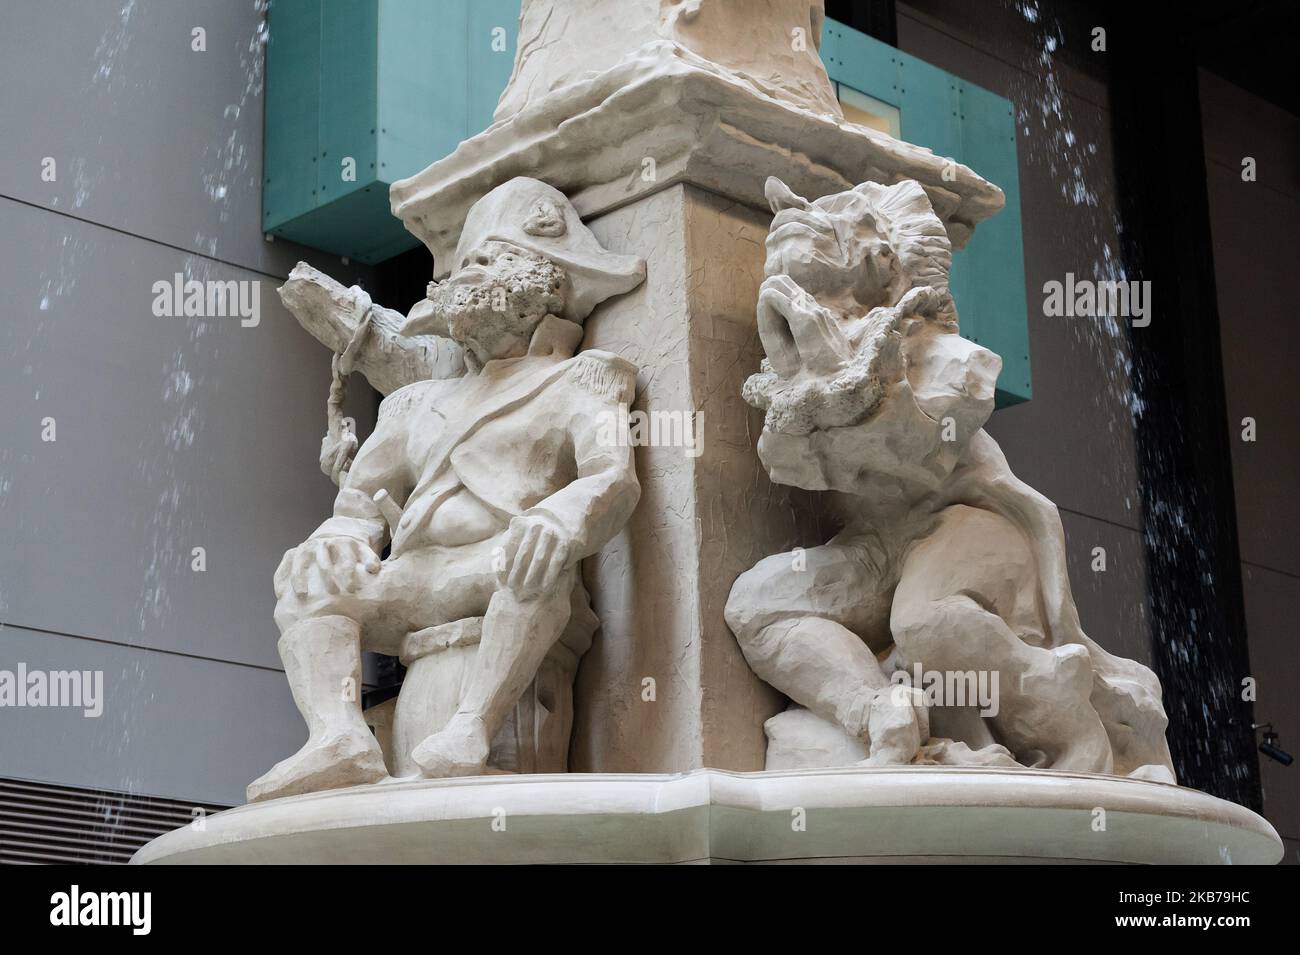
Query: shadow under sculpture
[488, 488]
[949, 572]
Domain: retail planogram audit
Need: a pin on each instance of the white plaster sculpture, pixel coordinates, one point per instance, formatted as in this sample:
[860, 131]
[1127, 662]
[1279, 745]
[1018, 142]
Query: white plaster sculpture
[946, 563]
[610, 100]
[768, 45]
[488, 489]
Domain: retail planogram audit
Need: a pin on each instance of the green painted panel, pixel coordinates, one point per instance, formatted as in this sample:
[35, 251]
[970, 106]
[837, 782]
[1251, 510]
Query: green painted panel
[423, 112]
[929, 107]
[988, 276]
[854, 59]
[393, 85]
[349, 94]
[357, 225]
[490, 46]
[961, 121]
[292, 104]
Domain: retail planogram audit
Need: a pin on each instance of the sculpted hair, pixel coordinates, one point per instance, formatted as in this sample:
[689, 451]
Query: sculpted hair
[903, 216]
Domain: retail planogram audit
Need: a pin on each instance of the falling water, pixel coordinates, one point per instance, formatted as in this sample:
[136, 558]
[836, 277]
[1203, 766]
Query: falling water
[1049, 132]
[165, 454]
[1172, 513]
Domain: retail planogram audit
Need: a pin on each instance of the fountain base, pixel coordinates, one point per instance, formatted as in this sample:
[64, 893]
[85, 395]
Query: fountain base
[904, 814]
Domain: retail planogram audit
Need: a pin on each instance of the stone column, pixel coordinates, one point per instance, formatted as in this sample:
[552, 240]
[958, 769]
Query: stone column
[663, 142]
[707, 512]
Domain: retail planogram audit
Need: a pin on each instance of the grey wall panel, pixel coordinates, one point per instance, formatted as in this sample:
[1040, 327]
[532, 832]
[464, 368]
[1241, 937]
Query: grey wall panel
[172, 433]
[1017, 34]
[1237, 124]
[171, 725]
[1112, 603]
[1074, 440]
[1271, 602]
[1256, 232]
[148, 135]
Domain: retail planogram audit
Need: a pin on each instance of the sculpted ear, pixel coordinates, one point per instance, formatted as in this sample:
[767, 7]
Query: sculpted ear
[780, 196]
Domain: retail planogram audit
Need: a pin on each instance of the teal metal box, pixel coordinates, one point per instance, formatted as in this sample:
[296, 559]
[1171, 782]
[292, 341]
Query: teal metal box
[396, 84]
[361, 93]
[966, 123]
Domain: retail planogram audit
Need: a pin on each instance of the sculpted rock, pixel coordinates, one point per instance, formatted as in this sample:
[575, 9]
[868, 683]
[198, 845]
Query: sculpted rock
[458, 528]
[937, 626]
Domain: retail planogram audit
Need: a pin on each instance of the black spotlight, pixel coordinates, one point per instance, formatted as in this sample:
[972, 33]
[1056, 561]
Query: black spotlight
[1270, 748]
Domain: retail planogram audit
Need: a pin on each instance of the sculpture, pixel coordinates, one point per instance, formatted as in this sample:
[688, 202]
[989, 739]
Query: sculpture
[946, 563]
[490, 488]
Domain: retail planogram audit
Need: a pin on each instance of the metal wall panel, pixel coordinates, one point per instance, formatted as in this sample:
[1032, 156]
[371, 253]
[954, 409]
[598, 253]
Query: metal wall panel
[172, 725]
[970, 125]
[292, 141]
[171, 433]
[394, 84]
[149, 136]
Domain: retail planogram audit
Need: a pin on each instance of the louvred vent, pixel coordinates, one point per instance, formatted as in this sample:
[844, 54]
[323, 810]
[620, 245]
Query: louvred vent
[41, 823]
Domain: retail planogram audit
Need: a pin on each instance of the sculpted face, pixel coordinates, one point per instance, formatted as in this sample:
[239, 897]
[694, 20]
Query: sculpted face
[835, 258]
[495, 299]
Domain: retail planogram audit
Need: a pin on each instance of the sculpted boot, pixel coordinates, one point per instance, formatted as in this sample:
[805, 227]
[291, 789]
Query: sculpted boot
[517, 634]
[322, 659]
[897, 725]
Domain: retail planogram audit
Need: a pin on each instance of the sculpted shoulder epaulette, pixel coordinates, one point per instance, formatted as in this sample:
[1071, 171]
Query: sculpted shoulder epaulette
[606, 375]
[411, 397]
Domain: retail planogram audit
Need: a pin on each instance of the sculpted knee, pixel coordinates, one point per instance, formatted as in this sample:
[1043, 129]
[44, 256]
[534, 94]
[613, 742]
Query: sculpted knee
[292, 609]
[750, 606]
[289, 610]
[736, 612]
[920, 625]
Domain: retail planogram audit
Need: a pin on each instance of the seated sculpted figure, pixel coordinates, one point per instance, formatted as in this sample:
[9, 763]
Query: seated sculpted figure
[487, 490]
[945, 560]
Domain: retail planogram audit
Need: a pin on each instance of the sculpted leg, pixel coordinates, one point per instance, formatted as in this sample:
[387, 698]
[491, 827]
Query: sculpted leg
[799, 630]
[322, 659]
[517, 635]
[958, 589]
[819, 664]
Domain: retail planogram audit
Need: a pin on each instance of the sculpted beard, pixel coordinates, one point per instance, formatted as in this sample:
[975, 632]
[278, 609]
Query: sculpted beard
[504, 306]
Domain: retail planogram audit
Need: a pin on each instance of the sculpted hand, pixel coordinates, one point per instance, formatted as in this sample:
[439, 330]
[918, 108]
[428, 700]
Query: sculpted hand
[339, 563]
[336, 454]
[536, 553]
[796, 332]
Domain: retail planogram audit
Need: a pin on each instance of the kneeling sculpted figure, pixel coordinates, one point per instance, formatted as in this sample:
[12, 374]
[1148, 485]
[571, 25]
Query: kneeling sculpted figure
[488, 489]
[946, 562]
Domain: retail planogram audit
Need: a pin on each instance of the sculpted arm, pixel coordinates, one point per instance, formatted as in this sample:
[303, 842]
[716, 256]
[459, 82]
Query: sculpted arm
[580, 518]
[381, 464]
[350, 542]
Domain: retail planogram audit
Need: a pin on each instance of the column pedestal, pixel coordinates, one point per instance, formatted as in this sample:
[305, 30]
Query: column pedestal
[921, 814]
